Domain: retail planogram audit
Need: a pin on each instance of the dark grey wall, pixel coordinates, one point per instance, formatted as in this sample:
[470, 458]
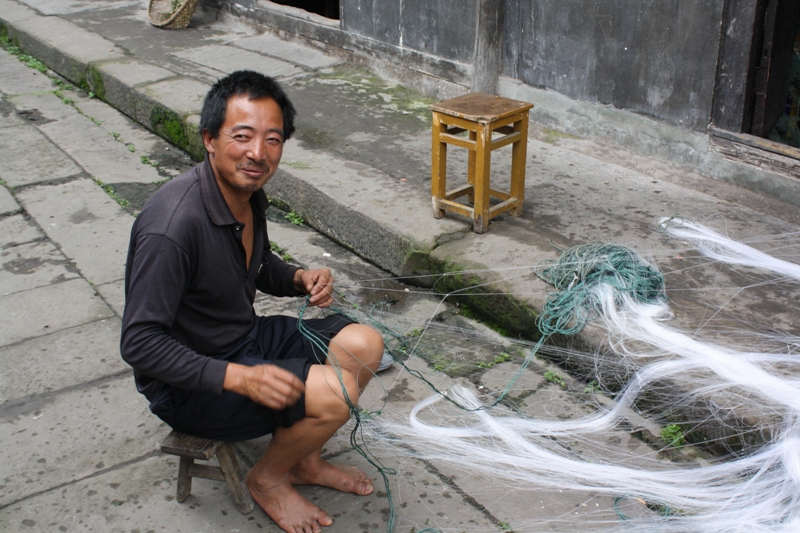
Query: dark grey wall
[656, 58]
[374, 19]
[653, 57]
[444, 28]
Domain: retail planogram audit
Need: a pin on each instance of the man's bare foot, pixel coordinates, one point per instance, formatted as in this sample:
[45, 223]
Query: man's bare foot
[282, 503]
[316, 471]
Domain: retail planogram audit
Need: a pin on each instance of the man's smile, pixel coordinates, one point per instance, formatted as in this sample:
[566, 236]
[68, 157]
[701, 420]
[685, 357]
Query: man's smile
[254, 171]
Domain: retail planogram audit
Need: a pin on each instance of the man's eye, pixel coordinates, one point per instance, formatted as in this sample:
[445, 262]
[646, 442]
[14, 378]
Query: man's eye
[274, 141]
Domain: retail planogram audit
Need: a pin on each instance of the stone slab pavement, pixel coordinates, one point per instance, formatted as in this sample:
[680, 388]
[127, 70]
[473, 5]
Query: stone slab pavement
[82, 452]
[81, 448]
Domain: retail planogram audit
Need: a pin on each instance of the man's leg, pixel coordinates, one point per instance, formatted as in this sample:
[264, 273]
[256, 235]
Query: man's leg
[294, 454]
[356, 350]
[269, 480]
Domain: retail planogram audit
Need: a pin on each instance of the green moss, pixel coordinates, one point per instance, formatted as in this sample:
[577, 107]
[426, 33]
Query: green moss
[95, 83]
[12, 47]
[554, 378]
[66, 99]
[417, 262]
[169, 125]
[279, 204]
[299, 165]
[501, 312]
[294, 218]
[111, 191]
[280, 251]
[673, 435]
[552, 136]
[380, 93]
[196, 148]
[502, 358]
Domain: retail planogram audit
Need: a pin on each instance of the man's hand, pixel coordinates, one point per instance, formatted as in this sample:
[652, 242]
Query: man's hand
[317, 283]
[269, 385]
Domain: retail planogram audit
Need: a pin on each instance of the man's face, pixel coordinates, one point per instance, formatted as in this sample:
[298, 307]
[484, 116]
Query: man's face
[248, 149]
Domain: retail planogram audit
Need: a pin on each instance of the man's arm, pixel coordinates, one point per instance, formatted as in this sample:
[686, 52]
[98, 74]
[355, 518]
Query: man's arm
[280, 278]
[158, 275]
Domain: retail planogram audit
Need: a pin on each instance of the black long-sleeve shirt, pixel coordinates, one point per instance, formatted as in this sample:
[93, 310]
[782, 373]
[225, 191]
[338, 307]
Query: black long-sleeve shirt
[189, 296]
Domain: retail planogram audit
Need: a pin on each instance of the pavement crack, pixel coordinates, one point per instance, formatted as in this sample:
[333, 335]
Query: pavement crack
[51, 182]
[118, 466]
[33, 402]
[470, 500]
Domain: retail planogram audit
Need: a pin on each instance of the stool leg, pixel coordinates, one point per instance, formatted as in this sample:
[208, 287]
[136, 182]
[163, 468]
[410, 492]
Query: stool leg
[229, 464]
[483, 162]
[471, 168]
[519, 154]
[184, 479]
[438, 166]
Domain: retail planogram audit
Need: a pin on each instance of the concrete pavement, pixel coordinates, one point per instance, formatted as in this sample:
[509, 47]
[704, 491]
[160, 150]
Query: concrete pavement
[81, 445]
[82, 448]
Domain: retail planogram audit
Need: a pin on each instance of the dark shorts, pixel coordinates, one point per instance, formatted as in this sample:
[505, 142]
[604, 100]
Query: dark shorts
[230, 416]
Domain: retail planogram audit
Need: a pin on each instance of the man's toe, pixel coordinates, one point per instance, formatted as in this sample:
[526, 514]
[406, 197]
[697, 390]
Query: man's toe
[366, 488]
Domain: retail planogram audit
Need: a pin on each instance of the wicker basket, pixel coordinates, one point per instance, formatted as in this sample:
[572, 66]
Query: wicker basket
[171, 13]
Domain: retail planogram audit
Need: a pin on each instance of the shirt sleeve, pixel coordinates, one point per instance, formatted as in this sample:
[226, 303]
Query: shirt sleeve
[276, 276]
[159, 275]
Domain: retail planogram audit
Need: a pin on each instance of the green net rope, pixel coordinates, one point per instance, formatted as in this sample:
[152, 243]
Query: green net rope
[580, 270]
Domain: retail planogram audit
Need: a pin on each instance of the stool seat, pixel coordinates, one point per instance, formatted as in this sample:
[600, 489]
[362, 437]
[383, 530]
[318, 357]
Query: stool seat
[480, 107]
[189, 448]
[482, 115]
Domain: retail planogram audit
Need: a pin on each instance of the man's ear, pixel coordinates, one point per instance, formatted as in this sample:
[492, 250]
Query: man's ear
[207, 138]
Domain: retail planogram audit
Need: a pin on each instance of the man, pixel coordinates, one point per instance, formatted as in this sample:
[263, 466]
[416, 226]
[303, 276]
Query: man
[209, 366]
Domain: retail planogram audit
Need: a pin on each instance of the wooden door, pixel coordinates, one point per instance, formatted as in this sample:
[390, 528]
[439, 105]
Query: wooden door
[772, 71]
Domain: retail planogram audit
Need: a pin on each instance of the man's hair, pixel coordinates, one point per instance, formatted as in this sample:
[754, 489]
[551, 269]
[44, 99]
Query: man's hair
[244, 82]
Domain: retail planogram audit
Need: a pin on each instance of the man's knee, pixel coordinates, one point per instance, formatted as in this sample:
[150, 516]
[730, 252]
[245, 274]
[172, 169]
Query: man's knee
[330, 392]
[361, 341]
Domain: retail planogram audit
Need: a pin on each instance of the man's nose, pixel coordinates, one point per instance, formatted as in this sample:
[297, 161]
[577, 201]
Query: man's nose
[257, 151]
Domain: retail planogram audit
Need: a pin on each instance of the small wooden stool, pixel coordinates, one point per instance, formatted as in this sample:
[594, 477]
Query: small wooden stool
[189, 448]
[481, 115]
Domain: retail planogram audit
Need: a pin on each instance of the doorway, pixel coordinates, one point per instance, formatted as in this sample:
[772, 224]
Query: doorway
[326, 8]
[776, 85]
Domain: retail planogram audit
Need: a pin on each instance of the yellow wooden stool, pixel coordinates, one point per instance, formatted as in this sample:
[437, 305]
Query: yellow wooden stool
[481, 115]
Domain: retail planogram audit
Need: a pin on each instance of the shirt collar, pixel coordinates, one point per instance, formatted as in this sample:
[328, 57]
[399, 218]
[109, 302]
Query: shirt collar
[214, 202]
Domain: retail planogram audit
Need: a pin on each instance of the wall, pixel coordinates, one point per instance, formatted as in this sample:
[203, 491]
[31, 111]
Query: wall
[653, 57]
[657, 58]
[444, 28]
[648, 76]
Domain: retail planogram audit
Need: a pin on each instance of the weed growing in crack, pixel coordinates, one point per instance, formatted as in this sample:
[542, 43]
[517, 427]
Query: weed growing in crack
[554, 378]
[280, 251]
[109, 190]
[673, 435]
[294, 218]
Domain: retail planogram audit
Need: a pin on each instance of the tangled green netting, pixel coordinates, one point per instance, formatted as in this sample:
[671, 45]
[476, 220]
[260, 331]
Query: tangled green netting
[582, 268]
